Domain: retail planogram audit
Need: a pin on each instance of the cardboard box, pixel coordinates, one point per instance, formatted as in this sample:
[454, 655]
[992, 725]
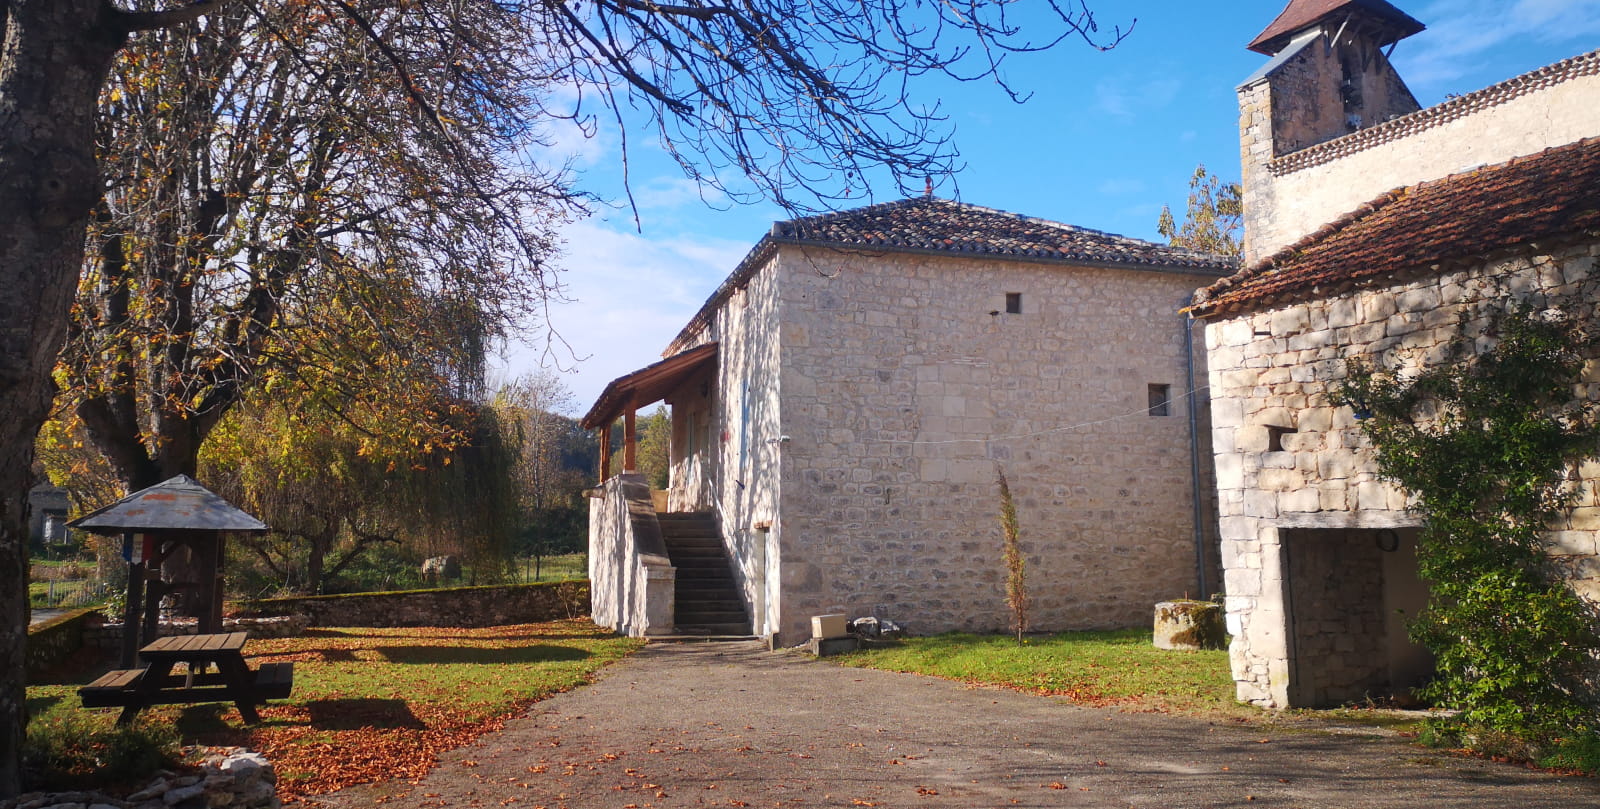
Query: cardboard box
[828, 626]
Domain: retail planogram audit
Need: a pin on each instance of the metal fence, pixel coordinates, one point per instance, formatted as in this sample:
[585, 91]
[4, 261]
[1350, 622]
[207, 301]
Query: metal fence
[69, 594]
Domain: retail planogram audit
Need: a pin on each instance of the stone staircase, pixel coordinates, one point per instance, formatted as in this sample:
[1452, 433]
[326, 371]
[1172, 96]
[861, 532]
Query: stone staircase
[708, 602]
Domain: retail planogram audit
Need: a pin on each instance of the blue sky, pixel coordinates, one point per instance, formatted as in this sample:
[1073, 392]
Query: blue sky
[1105, 140]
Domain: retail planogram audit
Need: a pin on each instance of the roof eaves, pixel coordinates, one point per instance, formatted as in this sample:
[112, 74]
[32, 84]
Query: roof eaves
[1292, 50]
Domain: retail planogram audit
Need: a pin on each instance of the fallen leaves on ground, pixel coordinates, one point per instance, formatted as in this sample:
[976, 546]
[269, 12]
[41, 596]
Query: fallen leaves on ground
[371, 705]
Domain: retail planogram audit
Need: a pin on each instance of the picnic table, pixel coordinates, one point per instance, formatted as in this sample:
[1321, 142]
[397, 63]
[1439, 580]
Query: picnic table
[156, 683]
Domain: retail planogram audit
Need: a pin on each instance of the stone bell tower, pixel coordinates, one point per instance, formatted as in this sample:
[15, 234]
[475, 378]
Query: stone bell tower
[1329, 76]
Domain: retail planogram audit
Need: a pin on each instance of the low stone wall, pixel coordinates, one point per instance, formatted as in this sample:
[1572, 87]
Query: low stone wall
[55, 640]
[109, 636]
[453, 606]
[234, 778]
[633, 578]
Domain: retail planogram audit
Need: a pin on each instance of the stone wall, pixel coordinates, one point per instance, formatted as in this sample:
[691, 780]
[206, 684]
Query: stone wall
[1295, 183]
[1286, 457]
[1336, 589]
[631, 578]
[905, 381]
[454, 606]
[108, 636]
[736, 470]
[50, 642]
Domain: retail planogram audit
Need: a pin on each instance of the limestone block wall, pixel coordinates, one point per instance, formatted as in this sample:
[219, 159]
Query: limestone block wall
[736, 472]
[1287, 458]
[1290, 191]
[631, 579]
[695, 431]
[905, 380]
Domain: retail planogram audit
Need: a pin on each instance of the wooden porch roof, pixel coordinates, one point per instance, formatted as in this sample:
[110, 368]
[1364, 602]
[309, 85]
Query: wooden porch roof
[649, 384]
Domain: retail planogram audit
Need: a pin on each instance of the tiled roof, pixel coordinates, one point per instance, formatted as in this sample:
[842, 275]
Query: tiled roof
[942, 226]
[1548, 197]
[947, 226]
[1395, 24]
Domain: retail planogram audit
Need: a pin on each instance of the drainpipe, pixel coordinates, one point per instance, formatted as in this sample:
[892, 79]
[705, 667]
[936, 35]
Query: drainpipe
[1194, 451]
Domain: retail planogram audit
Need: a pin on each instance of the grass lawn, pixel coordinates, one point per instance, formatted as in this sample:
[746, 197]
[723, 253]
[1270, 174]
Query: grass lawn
[1117, 668]
[566, 567]
[375, 704]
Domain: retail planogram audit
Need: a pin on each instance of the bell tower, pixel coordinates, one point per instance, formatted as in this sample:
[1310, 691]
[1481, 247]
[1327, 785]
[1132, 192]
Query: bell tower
[1329, 76]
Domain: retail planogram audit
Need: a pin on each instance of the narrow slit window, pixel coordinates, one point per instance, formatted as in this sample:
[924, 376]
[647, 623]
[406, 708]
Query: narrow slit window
[1013, 303]
[1275, 437]
[1160, 400]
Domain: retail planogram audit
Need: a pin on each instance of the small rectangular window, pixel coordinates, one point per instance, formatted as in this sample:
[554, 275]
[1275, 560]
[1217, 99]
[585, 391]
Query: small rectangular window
[1014, 303]
[1160, 400]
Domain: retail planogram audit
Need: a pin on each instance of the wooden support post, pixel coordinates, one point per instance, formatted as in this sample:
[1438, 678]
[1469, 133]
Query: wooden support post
[630, 441]
[131, 608]
[605, 453]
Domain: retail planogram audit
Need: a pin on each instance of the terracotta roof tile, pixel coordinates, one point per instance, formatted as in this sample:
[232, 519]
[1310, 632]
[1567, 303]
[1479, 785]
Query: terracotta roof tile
[1552, 195]
[1301, 14]
[942, 226]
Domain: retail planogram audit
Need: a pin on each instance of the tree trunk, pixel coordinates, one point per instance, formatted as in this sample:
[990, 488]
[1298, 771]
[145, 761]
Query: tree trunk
[54, 59]
[317, 556]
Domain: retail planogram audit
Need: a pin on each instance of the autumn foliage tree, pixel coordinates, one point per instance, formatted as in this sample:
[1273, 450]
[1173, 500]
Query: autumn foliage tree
[274, 197]
[551, 464]
[1213, 220]
[331, 490]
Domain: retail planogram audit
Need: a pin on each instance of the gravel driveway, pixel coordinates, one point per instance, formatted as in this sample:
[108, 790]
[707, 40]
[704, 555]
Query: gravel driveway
[698, 725]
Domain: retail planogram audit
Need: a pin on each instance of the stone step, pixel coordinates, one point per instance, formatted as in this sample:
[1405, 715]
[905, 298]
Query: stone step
[707, 600]
[697, 598]
[709, 539]
[698, 559]
[729, 628]
[712, 613]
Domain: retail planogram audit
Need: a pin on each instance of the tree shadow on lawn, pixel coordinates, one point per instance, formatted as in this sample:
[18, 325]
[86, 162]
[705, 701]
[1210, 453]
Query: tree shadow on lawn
[220, 723]
[310, 655]
[38, 705]
[538, 653]
[353, 713]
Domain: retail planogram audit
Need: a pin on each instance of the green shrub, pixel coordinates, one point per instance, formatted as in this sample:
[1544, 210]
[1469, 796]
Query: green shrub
[74, 750]
[1580, 754]
[1483, 443]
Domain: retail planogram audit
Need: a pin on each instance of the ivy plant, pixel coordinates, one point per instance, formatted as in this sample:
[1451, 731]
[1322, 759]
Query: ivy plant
[1484, 442]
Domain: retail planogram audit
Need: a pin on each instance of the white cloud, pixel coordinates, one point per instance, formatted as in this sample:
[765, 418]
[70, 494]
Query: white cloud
[1127, 97]
[631, 295]
[676, 192]
[1121, 185]
[1460, 32]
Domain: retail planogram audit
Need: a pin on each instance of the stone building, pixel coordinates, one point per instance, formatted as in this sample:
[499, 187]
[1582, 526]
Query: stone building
[47, 516]
[1371, 233]
[843, 400]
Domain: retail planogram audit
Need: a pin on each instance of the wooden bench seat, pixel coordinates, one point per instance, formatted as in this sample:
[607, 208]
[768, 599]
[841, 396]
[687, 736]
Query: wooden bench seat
[274, 680]
[120, 689]
[111, 689]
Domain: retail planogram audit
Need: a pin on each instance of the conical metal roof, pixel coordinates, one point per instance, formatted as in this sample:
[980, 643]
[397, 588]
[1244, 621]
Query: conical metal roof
[1387, 23]
[176, 504]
